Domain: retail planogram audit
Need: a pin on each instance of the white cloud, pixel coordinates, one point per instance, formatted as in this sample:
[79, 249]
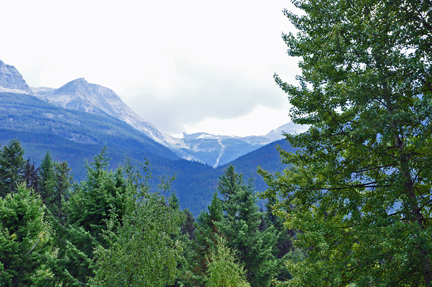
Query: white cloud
[176, 63]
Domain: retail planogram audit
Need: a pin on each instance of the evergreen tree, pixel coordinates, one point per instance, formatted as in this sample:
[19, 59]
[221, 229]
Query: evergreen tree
[94, 200]
[207, 232]
[92, 203]
[284, 243]
[359, 187]
[47, 181]
[62, 185]
[25, 240]
[256, 248]
[188, 227]
[31, 176]
[12, 166]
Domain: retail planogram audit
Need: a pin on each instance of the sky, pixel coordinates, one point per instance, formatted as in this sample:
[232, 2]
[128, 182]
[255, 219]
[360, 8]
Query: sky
[185, 66]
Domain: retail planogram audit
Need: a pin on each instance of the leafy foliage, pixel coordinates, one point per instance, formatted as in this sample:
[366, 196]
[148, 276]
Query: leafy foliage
[358, 189]
[223, 269]
[141, 251]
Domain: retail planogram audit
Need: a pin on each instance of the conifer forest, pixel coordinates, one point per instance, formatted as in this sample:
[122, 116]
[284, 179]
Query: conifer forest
[352, 207]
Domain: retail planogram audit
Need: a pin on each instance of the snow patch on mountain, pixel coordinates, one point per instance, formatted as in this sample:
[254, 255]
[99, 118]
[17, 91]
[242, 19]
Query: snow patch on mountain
[214, 150]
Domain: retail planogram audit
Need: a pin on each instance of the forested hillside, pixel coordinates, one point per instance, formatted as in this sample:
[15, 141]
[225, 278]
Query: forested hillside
[76, 136]
[111, 230]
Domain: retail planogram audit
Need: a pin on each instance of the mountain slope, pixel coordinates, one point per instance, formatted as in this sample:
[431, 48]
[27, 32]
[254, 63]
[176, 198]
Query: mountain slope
[95, 99]
[26, 113]
[12, 81]
[219, 150]
[80, 95]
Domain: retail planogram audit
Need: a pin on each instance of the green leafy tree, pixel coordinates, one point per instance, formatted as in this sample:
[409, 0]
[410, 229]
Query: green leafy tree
[12, 166]
[284, 245]
[143, 249]
[359, 187]
[256, 248]
[223, 270]
[25, 240]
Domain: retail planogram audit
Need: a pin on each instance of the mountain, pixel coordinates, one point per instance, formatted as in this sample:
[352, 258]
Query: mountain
[75, 121]
[213, 150]
[218, 150]
[25, 113]
[95, 99]
[12, 81]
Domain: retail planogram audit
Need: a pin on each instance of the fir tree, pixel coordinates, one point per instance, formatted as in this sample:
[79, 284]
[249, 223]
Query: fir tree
[144, 249]
[256, 248]
[31, 176]
[25, 240]
[12, 166]
[91, 204]
[46, 172]
[206, 234]
[62, 185]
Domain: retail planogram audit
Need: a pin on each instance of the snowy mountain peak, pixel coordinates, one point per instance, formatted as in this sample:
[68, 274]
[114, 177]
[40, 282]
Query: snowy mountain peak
[214, 150]
[12, 81]
[84, 96]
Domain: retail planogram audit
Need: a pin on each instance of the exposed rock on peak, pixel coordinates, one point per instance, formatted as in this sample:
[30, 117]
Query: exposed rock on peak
[12, 81]
[84, 96]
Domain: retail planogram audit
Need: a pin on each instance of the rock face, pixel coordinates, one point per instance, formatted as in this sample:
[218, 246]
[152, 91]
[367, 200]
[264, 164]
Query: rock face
[95, 99]
[213, 150]
[12, 81]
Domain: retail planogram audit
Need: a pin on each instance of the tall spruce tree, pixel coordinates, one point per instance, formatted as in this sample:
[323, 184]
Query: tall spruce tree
[31, 176]
[206, 234]
[90, 206]
[12, 165]
[359, 187]
[47, 182]
[256, 248]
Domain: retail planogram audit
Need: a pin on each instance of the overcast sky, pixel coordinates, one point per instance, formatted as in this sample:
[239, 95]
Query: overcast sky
[186, 66]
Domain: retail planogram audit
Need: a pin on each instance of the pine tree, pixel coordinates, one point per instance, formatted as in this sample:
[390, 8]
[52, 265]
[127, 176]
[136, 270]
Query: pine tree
[95, 199]
[256, 249]
[62, 186]
[12, 166]
[284, 243]
[91, 204]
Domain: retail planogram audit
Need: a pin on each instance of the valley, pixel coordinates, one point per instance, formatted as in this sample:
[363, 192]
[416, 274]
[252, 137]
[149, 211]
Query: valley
[75, 121]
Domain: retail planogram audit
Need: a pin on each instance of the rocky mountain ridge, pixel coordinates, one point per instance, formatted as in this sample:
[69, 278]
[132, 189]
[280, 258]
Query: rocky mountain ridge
[213, 150]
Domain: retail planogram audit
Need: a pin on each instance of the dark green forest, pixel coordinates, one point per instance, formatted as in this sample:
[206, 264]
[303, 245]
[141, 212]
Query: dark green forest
[110, 230]
[75, 137]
